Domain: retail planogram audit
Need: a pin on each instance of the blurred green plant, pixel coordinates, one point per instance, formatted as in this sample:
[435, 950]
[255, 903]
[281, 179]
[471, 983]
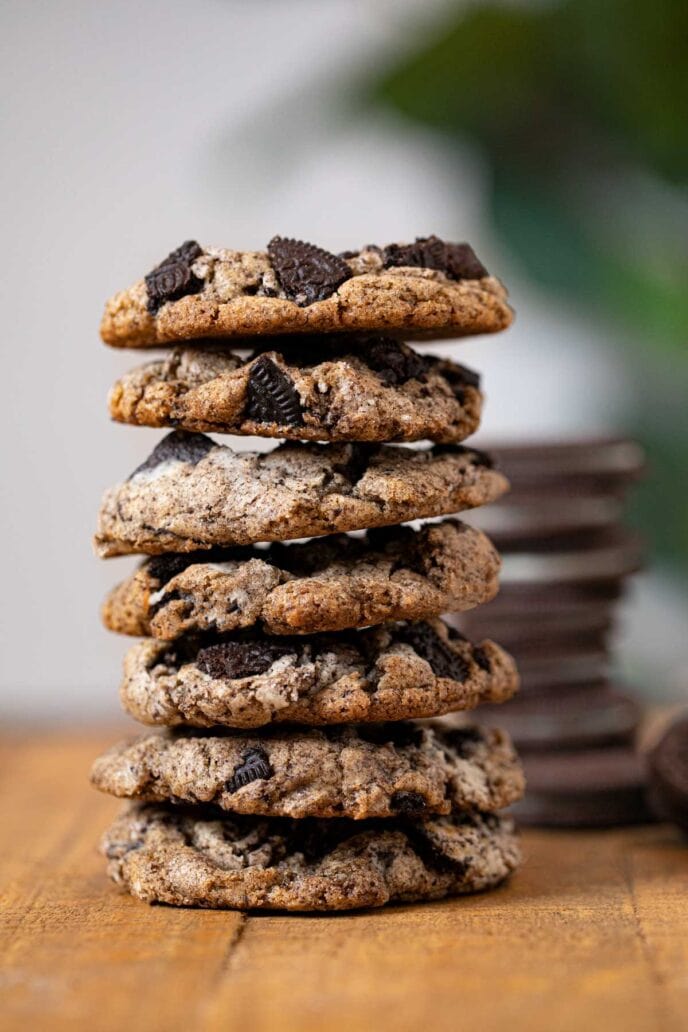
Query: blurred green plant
[581, 108]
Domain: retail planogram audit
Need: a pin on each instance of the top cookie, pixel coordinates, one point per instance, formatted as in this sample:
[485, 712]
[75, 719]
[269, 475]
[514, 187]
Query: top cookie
[426, 289]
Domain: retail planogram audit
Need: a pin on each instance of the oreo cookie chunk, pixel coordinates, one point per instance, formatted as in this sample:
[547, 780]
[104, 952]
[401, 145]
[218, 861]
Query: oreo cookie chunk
[392, 672]
[352, 388]
[668, 774]
[430, 288]
[193, 494]
[325, 584]
[357, 771]
[592, 788]
[205, 858]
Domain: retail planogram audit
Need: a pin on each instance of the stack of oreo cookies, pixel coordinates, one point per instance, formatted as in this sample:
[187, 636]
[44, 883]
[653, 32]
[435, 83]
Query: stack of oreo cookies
[567, 556]
[292, 765]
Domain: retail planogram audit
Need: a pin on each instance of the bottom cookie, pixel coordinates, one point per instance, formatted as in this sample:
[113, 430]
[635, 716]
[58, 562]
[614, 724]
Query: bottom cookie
[201, 857]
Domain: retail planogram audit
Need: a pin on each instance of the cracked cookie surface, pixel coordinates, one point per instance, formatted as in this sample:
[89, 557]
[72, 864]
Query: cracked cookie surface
[392, 672]
[207, 859]
[192, 493]
[336, 389]
[325, 584]
[199, 292]
[357, 771]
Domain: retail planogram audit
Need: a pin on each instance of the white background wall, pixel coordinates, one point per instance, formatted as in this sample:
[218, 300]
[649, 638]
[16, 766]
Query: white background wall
[131, 126]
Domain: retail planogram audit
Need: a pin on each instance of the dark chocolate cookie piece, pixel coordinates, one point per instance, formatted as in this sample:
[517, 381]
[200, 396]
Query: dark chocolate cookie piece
[393, 362]
[254, 766]
[444, 661]
[457, 261]
[306, 273]
[181, 446]
[271, 395]
[236, 659]
[173, 277]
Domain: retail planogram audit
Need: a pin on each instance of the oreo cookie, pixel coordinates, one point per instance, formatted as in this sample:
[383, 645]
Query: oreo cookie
[577, 717]
[584, 788]
[668, 774]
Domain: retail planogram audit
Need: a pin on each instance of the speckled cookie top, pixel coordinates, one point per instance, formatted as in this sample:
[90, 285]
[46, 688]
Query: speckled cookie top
[357, 771]
[392, 672]
[194, 494]
[325, 584]
[203, 858]
[347, 388]
[427, 288]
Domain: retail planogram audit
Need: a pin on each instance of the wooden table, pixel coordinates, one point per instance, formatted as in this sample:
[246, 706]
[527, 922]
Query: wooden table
[592, 934]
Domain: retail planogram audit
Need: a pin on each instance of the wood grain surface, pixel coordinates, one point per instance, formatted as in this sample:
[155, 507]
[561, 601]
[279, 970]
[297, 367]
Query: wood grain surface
[591, 934]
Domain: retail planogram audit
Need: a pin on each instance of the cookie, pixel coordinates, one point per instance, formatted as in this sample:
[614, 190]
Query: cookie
[617, 557]
[554, 598]
[429, 288]
[596, 466]
[334, 389]
[525, 518]
[515, 627]
[204, 858]
[367, 770]
[565, 667]
[326, 584]
[573, 718]
[192, 493]
[584, 788]
[668, 774]
[392, 672]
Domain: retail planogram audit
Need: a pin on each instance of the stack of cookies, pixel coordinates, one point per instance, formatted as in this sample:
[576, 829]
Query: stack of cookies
[567, 559]
[293, 765]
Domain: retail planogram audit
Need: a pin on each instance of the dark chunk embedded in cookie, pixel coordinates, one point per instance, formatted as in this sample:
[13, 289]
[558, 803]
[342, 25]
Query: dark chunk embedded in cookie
[234, 659]
[254, 766]
[428, 644]
[162, 568]
[180, 445]
[408, 804]
[271, 395]
[457, 261]
[394, 363]
[306, 273]
[429, 849]
[400, 733]
[477, 456]
[356, 463]
[481, 658]
[460, 375]
[173, 277]
[464, 739]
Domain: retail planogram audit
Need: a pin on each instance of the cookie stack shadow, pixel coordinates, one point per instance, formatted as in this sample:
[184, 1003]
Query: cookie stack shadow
[567, 558]
[290, 685]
